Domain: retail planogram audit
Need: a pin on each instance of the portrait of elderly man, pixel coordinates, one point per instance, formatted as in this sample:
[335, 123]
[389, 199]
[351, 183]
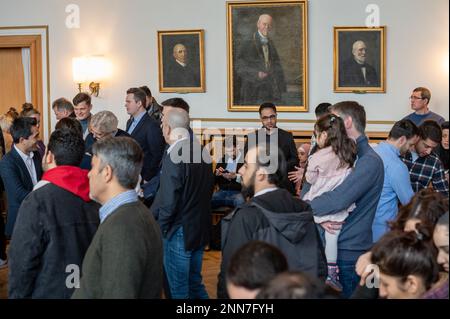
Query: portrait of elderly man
[178, 71]
[259, 67]
[355, 71]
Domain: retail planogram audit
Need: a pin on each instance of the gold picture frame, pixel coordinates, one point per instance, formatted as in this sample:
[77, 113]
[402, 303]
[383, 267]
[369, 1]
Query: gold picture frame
[271, 68]
[359, 59]
[181, 61]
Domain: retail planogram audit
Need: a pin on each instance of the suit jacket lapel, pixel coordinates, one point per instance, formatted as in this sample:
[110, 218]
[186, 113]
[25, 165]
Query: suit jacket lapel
[139, 125]
[37, 165]
[129, 124]
[23, 168]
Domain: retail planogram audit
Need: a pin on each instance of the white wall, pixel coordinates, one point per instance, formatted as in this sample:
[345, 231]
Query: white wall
[125, 32]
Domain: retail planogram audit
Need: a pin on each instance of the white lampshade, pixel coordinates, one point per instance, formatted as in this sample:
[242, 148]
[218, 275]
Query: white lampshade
[90, 69]
[79, 70]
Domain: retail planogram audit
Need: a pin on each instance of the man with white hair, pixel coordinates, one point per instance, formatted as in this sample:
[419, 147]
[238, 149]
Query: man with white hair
[259, 67]
[101, 125]
[179, 72]
[356, 71]
[182, 207]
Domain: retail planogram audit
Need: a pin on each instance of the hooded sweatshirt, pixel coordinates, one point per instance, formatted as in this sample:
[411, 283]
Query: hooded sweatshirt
[279, 219]
[70, 178]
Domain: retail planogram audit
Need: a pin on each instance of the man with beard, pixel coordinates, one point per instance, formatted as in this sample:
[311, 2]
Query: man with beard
[424, 165]
[272, 136]
[272, 215]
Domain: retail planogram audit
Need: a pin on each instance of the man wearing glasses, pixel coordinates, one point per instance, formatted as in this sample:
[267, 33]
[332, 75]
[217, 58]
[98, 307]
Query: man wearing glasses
[275, 136]
[420, 98]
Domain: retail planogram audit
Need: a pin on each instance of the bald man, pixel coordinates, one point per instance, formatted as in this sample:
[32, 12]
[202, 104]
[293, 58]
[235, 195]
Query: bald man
[260, 76]
[178, 71]
[356, 71]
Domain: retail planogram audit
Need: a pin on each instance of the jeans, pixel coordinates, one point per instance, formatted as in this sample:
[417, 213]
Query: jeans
[348, 277]
[347, 271]
[227, 198]
[183, 268]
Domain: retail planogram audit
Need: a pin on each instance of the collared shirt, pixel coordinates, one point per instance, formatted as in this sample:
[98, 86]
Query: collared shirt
[175, 143]
[396, 187]
[110, 206]
[29, 163]
[426, 170]
[265, 191]
[232, 163]
[136, 120]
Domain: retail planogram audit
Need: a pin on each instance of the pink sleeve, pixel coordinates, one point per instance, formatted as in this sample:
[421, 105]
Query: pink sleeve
[312, 172]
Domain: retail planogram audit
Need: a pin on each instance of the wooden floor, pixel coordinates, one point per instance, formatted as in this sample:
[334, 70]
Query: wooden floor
[211, 266]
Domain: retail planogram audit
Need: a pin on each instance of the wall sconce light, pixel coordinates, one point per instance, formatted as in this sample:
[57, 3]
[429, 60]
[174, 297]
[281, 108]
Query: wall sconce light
[92, 70]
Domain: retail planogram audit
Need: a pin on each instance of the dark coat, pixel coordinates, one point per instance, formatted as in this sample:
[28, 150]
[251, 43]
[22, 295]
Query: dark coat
[54, 230]
[286, 222]
[155, 111]
[350, 74]
[286, 144]
[89, 142]
[149, 136]
[176, 75]
[225, 184]
[250, 61]
[184, 198]
[17, 182]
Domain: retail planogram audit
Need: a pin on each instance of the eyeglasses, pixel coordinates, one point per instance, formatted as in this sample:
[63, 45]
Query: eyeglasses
[412, 97]
[271, 117]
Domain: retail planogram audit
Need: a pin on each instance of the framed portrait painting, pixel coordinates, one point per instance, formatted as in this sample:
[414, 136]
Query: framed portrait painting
[181, 61]
[267, 55]
[359, 60]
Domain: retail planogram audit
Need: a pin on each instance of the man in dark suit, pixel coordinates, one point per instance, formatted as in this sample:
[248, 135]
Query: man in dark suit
[145, 131]
[182, 207]
[21, 168]
[355, 71]
[259, 69]
[178, 72]
[272, 137]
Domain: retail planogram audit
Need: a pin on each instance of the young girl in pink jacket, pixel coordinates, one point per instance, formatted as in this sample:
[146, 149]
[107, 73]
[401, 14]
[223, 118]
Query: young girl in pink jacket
[326, 170]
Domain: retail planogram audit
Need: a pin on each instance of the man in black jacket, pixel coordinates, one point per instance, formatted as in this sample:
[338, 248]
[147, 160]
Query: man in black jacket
[55, 225]
[270, 135]
[272, 215]
[182, 207]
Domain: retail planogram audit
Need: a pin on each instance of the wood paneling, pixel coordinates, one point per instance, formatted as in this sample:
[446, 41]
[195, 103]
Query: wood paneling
[33, 42]
[12, 83]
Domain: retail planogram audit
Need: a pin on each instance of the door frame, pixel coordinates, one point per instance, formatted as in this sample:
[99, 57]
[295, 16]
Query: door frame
[36, 39]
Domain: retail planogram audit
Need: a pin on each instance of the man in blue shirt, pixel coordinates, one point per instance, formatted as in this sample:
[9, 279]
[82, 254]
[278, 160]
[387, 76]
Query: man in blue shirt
[397, 186]
[420, 98]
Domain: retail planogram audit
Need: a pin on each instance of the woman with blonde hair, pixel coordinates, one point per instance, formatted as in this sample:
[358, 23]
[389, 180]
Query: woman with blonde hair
[5, 123]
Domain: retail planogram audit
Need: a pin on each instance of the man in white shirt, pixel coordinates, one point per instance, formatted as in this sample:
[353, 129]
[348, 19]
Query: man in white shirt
[21, 168]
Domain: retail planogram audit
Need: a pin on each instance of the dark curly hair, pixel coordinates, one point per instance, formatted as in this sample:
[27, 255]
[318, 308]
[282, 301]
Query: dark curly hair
[427, 206]
[337, 138]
